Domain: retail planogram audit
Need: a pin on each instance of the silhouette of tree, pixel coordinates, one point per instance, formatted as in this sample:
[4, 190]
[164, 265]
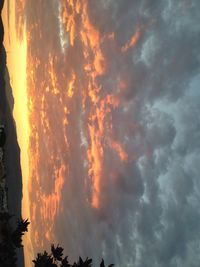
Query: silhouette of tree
[44, 260]
[8, 256]
[2, 136]
[65, 263]
[103, 265]
[17, 234]
[23, 225]
[86, 263]
[55, 259]
[11, 239]
[57, 252]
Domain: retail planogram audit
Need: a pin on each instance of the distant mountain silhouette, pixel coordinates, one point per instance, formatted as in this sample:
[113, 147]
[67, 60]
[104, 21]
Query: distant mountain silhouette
[1, 31]
[12, 150]
[1, 5]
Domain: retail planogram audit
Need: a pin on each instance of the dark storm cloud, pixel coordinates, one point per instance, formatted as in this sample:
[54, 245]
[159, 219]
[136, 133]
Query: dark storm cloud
[167, 57]
[149, 205]
[161, 66]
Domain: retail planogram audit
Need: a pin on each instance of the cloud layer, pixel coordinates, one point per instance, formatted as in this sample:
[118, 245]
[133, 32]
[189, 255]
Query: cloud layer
[114, 148]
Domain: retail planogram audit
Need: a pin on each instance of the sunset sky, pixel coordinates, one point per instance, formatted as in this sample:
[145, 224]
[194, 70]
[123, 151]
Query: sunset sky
[107, 105]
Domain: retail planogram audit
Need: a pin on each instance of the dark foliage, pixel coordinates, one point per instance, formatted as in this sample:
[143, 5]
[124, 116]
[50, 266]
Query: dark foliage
[22, 227]
[8, 255]
[65, 263]
[44, 260]
[2, 131]
[5, 216]
[11, 239]
[54, 259]
[57, 252]
[1, 4]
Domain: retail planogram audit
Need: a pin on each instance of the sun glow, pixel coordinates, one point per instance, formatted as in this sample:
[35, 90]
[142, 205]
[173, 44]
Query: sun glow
[16, 63]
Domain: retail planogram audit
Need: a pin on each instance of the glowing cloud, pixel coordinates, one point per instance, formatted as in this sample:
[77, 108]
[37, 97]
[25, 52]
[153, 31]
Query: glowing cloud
[107, 146]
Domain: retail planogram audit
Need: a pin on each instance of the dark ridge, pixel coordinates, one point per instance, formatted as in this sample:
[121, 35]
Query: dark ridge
[1, 5]
[12, 150]
[1, 31]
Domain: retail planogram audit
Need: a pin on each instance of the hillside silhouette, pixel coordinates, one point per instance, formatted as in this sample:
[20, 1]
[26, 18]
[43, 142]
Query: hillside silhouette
[11, 148]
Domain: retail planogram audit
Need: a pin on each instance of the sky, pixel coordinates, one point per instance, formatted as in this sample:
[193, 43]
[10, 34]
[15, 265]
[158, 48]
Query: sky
[112, 104]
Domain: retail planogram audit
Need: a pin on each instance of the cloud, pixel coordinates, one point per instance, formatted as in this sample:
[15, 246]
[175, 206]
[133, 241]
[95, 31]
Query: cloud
[115, 129]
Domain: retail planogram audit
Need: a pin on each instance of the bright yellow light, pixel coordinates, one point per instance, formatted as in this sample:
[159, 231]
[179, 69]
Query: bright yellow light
[16, 63]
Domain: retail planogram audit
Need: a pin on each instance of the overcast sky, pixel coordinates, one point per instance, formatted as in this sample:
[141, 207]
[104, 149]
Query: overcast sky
[114, 100]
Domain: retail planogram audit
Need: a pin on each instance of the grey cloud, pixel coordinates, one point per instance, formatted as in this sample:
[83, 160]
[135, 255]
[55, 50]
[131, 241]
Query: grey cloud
[149, 211]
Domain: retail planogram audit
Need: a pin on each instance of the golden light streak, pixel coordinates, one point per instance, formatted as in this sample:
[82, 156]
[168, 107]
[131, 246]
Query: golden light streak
[71, 85]
[91, 39]
[95, 155]
[68, 18]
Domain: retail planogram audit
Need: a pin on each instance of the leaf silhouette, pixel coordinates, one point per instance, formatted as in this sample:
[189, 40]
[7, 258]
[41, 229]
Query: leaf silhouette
[57, 252]
[44, 260]
[102, 263]
[65, 262]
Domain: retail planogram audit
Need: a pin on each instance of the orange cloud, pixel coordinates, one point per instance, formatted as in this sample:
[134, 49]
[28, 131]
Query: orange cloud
[67, 99]
[132, 41]
[120, 151]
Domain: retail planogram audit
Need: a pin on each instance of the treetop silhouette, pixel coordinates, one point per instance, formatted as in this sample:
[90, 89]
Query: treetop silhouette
[55, 259]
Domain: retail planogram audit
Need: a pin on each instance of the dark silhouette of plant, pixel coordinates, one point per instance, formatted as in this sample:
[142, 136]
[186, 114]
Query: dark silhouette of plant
[44, 260]
[65, 263]
[54, 259]
[8, 256]
[57, 252]
[17, 234]
[23, 225]
[2, 136]
[103, 265]
[11, 239]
